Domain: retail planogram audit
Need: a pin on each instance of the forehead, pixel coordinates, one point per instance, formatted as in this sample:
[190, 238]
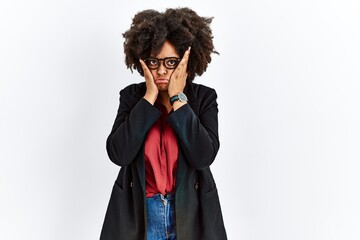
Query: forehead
[167, 50]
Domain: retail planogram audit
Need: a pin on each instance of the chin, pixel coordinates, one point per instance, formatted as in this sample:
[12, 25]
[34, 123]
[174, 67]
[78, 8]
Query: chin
[163, 87]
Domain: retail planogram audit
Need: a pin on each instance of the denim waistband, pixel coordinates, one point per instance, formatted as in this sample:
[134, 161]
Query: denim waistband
[160, 197]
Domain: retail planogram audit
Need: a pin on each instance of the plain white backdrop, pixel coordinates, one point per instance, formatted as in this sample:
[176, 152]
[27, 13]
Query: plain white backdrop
[288, 88]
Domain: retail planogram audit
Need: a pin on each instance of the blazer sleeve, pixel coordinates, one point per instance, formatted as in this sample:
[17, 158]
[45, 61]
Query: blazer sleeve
[198, 135]
[130, 129]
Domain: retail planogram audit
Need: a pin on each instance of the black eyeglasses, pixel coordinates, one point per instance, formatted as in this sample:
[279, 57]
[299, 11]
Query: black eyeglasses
[169, 62]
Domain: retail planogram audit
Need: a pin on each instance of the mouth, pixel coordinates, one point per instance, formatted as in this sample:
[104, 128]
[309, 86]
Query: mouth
[161, 81]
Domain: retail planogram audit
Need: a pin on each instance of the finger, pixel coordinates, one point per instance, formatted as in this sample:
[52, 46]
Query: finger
[182, 67]
[146, 70]
[185, 58]
[143, 66]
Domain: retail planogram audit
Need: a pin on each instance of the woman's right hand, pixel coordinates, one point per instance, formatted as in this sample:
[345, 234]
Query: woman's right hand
[152, 90]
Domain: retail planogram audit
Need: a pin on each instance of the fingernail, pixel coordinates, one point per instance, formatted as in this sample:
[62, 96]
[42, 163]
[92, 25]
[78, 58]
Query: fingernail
[189, 48]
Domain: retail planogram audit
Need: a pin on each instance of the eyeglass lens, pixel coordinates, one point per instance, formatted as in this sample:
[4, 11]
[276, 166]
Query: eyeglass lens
[169, 63]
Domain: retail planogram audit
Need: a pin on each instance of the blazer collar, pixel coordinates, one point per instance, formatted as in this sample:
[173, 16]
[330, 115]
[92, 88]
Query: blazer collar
[189, 92]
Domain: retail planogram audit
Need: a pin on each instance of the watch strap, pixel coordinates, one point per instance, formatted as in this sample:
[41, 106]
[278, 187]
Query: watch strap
[174, 99]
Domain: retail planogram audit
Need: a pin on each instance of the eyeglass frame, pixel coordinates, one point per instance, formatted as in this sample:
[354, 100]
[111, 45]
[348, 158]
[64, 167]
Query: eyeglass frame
[162, 60]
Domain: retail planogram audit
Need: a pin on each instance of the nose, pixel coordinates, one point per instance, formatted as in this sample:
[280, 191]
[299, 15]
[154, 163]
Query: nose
[161, 69]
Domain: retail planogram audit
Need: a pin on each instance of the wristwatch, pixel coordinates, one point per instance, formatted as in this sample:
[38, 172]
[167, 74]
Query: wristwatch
[178, 97]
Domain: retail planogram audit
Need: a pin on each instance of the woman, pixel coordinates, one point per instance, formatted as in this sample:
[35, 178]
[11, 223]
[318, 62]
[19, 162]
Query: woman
[165, 135]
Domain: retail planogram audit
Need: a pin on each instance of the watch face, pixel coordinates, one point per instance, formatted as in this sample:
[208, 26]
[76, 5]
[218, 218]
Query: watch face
[182, 97]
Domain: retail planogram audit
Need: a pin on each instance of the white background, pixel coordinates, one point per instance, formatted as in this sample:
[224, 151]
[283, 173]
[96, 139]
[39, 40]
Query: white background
[288, 88]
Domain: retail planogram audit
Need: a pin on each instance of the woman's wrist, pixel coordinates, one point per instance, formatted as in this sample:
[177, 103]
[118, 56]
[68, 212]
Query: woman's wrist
[177, 105]
[151, 98]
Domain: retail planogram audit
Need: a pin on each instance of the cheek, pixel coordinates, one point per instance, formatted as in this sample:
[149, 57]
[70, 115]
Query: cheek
[170, 71]
[153, 73]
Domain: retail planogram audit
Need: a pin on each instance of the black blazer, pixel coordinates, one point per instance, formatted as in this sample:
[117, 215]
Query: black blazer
[198, 212]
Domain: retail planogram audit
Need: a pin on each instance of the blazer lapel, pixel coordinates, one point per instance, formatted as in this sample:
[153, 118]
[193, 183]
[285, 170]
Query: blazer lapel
[139, 93]
[182, 166]
[140, 165]
[190, 93]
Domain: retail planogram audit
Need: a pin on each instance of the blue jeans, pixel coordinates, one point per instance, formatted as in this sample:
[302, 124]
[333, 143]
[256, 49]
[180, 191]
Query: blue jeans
[161, 217]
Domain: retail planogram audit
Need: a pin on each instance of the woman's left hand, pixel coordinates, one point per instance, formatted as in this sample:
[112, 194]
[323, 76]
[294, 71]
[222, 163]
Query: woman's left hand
[178, 77]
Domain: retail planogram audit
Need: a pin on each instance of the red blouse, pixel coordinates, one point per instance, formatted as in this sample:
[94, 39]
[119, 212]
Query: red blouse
[161, 155]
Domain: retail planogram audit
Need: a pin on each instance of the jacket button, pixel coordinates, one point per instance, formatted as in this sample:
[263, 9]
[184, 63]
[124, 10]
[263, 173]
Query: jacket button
[131, 184]
[196, 186]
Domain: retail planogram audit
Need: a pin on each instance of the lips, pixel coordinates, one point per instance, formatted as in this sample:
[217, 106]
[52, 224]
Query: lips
[161, 81]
